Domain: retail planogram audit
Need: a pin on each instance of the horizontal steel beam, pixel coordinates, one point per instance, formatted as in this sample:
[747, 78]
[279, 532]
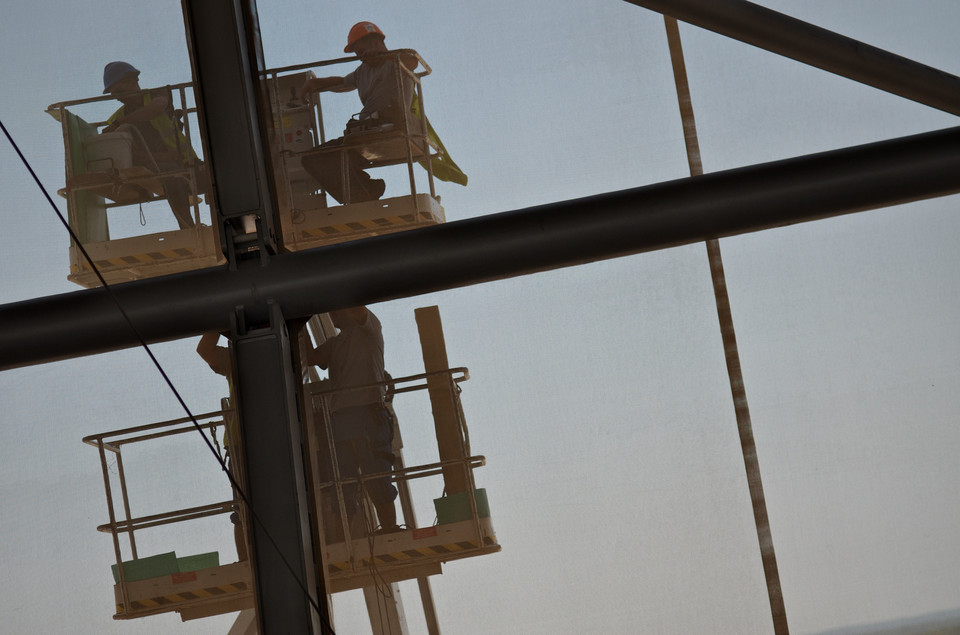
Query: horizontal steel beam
[487, 248]
[810, 44]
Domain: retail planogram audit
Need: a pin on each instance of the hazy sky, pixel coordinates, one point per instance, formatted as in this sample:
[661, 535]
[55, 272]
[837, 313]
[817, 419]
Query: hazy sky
[598, 394]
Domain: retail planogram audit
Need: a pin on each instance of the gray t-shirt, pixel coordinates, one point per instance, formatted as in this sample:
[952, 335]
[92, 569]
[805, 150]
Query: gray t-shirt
[377, 85]
[355, 357]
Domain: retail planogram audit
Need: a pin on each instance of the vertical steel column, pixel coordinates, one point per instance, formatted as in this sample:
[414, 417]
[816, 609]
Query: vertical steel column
[223, 38]
[280, 538]
[732, 355]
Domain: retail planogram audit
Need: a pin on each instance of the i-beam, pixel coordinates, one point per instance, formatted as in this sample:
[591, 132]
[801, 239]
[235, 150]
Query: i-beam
[488, 248]
[813, 45]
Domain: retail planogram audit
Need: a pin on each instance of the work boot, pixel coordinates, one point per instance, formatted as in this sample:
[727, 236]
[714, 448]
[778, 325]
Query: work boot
[372, 190]
[391, 529]
[377, 188]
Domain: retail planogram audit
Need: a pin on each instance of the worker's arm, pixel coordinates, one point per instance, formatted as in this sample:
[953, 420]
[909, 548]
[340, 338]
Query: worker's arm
[157, 107]
[320, 356]
[320, 84]
[217, 357]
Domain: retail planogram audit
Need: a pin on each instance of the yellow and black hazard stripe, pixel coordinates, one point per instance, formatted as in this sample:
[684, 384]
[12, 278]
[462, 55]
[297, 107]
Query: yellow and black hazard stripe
[372, 224]
[145, 259]
[409, 555]
[184, 596]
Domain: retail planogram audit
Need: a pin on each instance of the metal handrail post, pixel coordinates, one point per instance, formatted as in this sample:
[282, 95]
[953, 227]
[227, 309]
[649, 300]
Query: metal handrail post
[467, 463]
[122, 580]
[126, 503]
[405, 126]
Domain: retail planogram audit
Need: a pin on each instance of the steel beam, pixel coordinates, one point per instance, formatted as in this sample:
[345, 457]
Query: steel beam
[810, 44]
[278, 522]
[223, 36]
[225, 59]
[488, 248]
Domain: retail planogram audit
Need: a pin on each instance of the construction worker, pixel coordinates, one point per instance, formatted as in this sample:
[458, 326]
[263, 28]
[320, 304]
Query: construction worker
[376, 82]
[220, 361]
[157, 143]
[362, 427]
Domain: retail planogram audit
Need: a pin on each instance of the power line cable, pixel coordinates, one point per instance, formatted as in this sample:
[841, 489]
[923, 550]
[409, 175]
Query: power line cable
[166, 378]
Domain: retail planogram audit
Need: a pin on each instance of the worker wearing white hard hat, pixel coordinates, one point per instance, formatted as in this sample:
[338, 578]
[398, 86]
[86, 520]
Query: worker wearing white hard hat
[158, 144]
[115, 72]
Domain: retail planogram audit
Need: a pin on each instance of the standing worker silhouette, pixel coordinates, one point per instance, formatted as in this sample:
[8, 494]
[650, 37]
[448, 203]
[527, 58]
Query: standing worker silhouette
[362, 427]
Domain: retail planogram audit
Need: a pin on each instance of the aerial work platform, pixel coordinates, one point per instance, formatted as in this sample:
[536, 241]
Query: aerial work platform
[309, 218]
[138, 257]
[214, 590]
[327, 226]
[104, 182]
[405, 555]
[351, 553]
[193, 594]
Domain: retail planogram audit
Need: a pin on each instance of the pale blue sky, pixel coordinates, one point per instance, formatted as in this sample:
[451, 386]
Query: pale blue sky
[598, 394]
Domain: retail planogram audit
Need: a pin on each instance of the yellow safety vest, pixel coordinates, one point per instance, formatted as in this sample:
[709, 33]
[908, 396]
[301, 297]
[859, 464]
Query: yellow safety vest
[444, 168]
[171, 136]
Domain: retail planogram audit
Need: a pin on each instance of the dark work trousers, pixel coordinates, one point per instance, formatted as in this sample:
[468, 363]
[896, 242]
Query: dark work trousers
[328, 169]
[177, 191]
[362, 440]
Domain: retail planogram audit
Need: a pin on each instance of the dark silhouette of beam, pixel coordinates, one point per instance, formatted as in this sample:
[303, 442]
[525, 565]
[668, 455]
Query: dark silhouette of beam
[225, 53]
[810, 44]
[488, 248]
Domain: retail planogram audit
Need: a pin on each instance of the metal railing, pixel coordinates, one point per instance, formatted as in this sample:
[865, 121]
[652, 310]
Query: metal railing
[400, 475]
[191, 170]
[122, 521]
[110, 444]
[417, 145]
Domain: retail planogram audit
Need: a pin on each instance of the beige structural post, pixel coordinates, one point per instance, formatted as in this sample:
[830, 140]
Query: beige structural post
[734, 372]
[442, 400]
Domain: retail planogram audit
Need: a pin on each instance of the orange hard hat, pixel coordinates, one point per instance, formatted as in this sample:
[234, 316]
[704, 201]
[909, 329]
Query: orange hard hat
[360, 30]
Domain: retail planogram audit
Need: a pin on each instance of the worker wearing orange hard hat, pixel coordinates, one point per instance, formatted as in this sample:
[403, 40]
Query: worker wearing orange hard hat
[367, 41]
[361, 30]
[376, 82]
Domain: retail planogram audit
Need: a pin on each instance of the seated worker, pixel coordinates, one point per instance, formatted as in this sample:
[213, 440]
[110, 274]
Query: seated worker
[362, 427]
[376, 83]
[158, 145]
